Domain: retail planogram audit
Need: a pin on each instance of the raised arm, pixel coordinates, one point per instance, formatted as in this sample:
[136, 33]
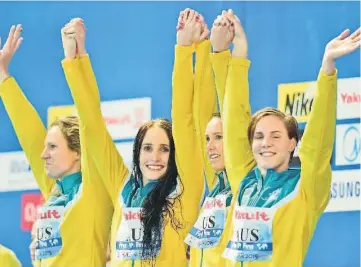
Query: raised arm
[188, 156]
[221, 37]
[317, 142]
[84, 59]
[205, 99]
[237, 111]
[27, 124]
[84, 90]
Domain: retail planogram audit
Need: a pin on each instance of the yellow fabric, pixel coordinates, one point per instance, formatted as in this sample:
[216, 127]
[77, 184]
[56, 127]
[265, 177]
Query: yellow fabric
[231, 76]
[220, 62]
[86, 224]
[29, 129]
[114, 172]
[8, 258]
[204, 103]
[295, 222]
[236, 118]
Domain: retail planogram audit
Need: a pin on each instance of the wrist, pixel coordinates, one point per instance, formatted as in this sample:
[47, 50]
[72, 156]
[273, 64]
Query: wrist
[82, 54]
[328, 65]
[81, 51]
[69, 56]
[184, 44]
[4, 74]
[219, 49]
[239, 52]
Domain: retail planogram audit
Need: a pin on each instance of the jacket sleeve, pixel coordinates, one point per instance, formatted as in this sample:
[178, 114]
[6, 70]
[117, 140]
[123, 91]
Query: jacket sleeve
[10, 260]
[205, 103]
[317, 144]
[220, 63]
[236, 119]
[188, 156]
[29, 129]
[110, 164]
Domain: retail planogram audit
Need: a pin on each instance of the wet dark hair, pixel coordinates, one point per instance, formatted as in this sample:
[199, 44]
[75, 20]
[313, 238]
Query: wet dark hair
[157, 207]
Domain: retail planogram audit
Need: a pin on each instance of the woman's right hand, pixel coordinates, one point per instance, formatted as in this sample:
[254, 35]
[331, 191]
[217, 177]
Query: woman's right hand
[189, 28]
[8, 50]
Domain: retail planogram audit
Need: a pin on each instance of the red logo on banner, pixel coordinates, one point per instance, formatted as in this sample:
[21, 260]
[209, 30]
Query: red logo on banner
[30, 204]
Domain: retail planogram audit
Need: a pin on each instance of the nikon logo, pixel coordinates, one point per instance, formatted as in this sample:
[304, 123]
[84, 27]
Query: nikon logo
[298, 105]
[296, 100]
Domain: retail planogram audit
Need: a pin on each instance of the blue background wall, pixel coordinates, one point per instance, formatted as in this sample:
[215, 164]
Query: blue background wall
[132, 49]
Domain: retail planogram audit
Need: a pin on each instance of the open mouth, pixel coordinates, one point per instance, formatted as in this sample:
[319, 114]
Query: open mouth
[214, 156]
[267, 154]
[155, 168]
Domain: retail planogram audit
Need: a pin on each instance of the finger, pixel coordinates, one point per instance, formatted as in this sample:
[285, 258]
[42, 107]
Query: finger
[344, 34]
[352, 48]
[355, 33]
[357, 45]
[67, 27]
[205, 27]
[19, 41]
[11, 34]
[204, 34]
[196, 16]
[230, 12]
[79, 28]
[69, 36]
[76, 20]
[237, 18]
[218, 19]
[17, 33]
[216, 24]
[181, 20]
[186, 14]
[191, 16]
[225, 22]
[63, 31]
[232, 18]
[83, 27]
[70, 30]
[356, 39]
[181, 14]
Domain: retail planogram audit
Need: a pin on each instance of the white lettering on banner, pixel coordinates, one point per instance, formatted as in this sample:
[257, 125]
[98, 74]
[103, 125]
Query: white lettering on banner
[16, 175]
[48, 240]
[348, 98]
[347, 144]
[208, 229]
[252, 234]
[258, 216]
[15, 172]
[31, 212]
[126, 151]
[31, 203]
[345, 191]
[129, 239]
[124, 117]
[297, 98]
